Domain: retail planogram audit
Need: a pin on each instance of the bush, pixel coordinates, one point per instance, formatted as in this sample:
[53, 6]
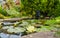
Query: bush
[48, 7]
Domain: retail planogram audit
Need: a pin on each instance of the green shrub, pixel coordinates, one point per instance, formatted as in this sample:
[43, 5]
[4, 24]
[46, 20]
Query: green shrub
[2, 11]
[51, 7]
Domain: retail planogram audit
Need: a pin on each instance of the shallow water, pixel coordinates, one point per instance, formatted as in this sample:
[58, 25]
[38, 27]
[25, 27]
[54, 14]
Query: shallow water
[3, 35]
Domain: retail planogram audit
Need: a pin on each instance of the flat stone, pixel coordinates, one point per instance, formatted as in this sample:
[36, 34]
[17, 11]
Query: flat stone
[40, 35]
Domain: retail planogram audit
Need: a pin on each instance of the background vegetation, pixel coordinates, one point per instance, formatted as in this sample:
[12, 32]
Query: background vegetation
[48, 7]
[29, 7]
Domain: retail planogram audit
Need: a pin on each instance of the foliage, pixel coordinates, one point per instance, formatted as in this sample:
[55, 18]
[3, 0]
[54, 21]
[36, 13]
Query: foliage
[50, 22]
[53, 22]
[2, 11]
[10, 9]
[58, 19]
[51, 7]
[12, 12]
[45, 28]
[29, 7]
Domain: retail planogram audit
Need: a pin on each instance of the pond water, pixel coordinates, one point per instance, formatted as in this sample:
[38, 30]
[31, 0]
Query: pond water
[3, 35]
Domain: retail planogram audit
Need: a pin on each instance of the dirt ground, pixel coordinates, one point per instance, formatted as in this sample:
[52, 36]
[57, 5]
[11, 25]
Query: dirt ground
[41, 35]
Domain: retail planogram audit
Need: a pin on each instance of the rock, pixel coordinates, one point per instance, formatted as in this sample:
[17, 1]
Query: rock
[40, 35]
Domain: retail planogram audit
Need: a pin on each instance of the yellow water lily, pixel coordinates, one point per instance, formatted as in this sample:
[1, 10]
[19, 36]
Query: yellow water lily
[30, 29]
